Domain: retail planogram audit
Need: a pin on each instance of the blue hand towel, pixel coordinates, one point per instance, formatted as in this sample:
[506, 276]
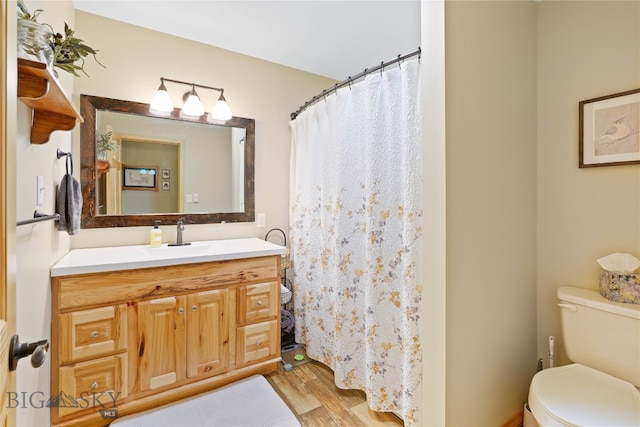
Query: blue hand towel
[69, 204]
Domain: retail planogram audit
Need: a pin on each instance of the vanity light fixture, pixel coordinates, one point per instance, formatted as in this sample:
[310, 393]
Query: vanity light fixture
[192, 105]
[161, 102]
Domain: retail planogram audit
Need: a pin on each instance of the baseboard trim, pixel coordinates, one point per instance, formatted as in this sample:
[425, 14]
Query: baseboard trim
[515, 421]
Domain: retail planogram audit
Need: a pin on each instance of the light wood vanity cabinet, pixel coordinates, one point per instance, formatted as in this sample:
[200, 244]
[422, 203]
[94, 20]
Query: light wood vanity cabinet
[182, 337]
[137, 339]
[258, 305]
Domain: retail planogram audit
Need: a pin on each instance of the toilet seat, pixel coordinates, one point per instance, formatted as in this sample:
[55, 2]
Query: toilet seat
[576, 395]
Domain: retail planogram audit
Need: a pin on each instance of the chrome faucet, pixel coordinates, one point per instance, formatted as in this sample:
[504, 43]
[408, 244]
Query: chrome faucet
[179, 241]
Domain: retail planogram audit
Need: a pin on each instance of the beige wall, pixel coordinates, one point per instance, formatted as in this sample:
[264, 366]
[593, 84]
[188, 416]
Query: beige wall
[491, 209]
[521, 217]
[433, 269]
[136, 58]
[38, 246]
[586, 49]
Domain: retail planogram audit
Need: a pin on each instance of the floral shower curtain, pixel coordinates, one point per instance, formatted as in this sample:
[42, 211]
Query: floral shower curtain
[356, 212]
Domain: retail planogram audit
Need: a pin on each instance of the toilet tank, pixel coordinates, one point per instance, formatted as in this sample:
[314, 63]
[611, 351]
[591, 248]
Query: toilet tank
[601, 334]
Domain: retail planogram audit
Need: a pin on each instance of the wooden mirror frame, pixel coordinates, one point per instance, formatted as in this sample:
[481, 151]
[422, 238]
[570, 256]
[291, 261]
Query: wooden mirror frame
[88, 169]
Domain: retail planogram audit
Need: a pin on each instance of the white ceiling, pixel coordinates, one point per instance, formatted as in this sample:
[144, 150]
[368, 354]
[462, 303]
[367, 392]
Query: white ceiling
[331, 38]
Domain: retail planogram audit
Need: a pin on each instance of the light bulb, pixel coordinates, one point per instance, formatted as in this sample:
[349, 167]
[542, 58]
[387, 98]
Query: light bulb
[161, 102]
[193, 106]
[221, 110]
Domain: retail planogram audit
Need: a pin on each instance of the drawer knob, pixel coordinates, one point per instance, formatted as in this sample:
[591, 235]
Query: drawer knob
[194, 307]
[258, 343]
[259, 303]
[94, 386]
[180, 310]
[94, 334]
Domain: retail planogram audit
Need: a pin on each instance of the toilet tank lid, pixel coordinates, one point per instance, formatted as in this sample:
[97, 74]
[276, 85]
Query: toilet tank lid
[592, 298]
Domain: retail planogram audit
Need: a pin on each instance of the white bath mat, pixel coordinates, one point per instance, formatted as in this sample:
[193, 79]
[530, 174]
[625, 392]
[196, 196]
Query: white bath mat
[246, 403]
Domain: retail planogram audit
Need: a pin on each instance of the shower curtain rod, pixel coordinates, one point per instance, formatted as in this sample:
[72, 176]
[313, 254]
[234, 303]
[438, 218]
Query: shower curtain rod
[352, 79]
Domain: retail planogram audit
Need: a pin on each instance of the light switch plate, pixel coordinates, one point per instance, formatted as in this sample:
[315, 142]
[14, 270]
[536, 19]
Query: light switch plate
[39, 190]
[261, 220]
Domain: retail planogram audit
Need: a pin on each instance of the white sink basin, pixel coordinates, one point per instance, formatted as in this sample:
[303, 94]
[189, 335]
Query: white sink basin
[94, 260]
[166, 251]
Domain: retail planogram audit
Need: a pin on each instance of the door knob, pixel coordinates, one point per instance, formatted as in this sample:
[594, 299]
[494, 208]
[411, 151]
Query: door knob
[17, 350]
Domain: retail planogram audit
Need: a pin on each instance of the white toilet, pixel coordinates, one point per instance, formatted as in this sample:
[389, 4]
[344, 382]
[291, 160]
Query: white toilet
[600, 388]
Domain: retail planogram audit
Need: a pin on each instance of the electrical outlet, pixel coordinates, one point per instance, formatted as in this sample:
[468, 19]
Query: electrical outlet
[196, 198]
[261, 220]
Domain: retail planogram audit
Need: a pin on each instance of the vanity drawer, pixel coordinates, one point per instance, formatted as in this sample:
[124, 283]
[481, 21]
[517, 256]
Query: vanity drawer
[258, 341]
[96, 384]
[92, 333]
[258, 302]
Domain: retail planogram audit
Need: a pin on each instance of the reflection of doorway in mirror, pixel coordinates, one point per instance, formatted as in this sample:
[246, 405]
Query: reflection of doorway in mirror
[109, 201]
[167, 154]
[238, 139]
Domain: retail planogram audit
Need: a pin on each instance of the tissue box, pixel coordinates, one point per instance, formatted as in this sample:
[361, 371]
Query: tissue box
[620, 287]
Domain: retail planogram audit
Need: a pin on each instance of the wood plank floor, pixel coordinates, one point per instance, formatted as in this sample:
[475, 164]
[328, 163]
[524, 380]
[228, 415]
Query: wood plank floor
[310, 392]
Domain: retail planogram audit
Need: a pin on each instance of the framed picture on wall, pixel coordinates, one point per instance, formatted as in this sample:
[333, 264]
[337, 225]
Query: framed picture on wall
[610, 130]
[140, 178]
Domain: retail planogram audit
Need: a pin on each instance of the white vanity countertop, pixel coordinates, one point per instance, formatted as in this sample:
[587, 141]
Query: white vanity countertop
[116, 258]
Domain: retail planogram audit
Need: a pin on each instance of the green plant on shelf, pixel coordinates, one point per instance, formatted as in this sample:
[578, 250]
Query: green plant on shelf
[105, 142]
[69, 52]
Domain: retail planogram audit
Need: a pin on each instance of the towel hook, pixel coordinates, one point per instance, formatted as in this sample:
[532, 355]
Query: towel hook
[69, 160]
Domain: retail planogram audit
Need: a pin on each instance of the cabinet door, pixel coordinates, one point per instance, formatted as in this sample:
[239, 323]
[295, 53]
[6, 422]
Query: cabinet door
[161, 342]
[91, 333]
[258, 341]
[258, 302]
[207, 332]
[96, 384]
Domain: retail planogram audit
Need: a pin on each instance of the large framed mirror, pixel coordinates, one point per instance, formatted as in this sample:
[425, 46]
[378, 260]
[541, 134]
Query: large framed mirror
[163, 168]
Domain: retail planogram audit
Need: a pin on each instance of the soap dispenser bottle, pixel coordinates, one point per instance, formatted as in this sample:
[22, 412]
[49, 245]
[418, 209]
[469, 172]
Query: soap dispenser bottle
[155, 236]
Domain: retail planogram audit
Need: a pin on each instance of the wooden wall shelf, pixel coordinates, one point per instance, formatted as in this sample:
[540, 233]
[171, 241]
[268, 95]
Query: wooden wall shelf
[52, 110]
[102, 166]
